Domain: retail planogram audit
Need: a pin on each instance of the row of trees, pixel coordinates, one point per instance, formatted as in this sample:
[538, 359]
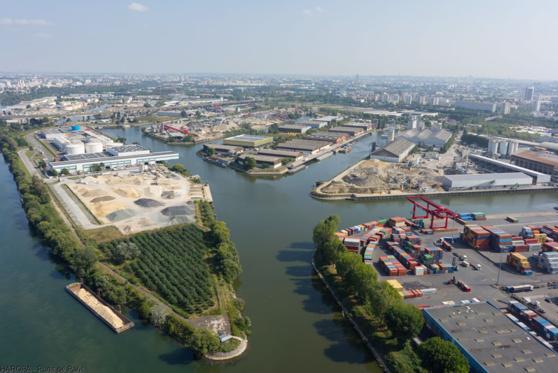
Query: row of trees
[380, 301]
[82, 257]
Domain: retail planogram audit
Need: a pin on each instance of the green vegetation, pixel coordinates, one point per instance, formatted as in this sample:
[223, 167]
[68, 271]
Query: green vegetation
[250, 163]
[439, 355]
[471, 139]
[141, 256]
[170, 262]
[387, 321]
[179, 168]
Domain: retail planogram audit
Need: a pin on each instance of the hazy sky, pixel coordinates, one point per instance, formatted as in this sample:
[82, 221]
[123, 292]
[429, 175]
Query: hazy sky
[488, 38]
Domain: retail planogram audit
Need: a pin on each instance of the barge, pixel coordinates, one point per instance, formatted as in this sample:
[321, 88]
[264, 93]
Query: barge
[114, 319]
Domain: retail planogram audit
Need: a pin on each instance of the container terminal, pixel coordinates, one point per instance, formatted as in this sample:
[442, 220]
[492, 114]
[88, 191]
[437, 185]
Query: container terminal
[475, 267]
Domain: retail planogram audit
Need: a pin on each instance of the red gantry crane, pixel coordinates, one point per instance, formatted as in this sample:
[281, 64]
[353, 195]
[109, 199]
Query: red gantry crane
[183, 130]
[431, 210]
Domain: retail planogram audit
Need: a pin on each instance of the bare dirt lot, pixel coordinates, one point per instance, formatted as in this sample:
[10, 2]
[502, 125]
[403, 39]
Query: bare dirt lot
[377, 177]
[135, 201]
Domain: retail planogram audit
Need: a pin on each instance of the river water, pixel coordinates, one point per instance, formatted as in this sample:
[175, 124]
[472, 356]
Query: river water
[295, 324]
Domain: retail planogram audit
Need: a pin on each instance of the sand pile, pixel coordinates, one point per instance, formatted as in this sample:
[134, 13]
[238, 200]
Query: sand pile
[168, 194]
[128, 193]
[104, 311]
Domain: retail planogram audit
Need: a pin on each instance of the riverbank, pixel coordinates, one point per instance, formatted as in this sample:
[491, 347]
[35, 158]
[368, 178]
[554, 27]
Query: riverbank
[81, 256]
[347, 315]
[318, 193]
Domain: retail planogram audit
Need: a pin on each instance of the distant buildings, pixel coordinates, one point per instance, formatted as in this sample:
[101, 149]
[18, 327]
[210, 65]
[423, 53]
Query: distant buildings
[478, 106]
[529, 94]
[294, 128]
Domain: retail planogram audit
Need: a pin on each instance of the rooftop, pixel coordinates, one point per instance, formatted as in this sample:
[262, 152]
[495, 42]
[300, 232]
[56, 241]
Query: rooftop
[546, 158]
[128, 148]
[303, 144]
[492, 339]
[397, 147]
[244, 137]
[490, 176]
[104, 157]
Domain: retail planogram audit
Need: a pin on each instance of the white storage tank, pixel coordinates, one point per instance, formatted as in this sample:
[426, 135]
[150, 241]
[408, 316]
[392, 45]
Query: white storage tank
[93, 147]
[75, 148]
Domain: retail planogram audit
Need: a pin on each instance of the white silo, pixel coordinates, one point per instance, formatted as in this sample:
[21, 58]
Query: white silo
[493, 145]
[503, 148]
[513, 147]
[93, 147]
[75, 148]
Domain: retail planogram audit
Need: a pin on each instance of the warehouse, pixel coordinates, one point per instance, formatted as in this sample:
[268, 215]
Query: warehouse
[294, 128]
[544, 162]
[85, 162]
[364, 126]
[486, 181]
[123, 150]
[395, 152]
[351, 131]
[490, 341]
[263, 161]
[430, 137]
[336, 137]
[248, 141]
[497, 165]
[223, 149]
[282, 153]
[307, 146]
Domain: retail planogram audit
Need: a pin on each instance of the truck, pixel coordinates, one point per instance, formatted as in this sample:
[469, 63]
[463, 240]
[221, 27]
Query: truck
[520, 263]
[518, 288]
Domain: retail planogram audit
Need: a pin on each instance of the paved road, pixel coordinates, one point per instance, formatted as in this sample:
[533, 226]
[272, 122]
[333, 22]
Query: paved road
[75, 212]
[27, 163]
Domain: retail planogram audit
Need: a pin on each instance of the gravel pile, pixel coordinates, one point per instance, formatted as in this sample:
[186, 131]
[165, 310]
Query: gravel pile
[102, 199]
[176, 211]
[147, 202]
[120, 215]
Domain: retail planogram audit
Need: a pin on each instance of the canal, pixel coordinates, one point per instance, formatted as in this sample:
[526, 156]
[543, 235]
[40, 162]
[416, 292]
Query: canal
[295, 324]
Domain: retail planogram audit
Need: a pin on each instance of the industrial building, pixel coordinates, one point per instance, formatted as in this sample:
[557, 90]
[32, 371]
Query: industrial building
[395, 152]
[282, 153]
[113, 160]
[496, 165]
[351, 131]
[502, 147]
[77, 140]
[429, 137]
[363, 125]
[486, 181]
[263, 161]
[544, 162]
[294, 128]
[307, 146]
[336, 137]
[489, 340]
[224, 149]
[248, 141]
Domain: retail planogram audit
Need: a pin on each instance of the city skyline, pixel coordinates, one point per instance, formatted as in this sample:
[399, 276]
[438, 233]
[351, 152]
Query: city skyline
[503, 39]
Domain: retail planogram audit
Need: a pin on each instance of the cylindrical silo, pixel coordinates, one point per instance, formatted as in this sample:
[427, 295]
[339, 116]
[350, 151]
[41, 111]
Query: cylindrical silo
[513, 147]
[75, 148]
[503, 148]
[493, 146]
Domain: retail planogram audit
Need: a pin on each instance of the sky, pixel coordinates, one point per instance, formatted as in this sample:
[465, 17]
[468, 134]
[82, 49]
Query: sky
[482, 38]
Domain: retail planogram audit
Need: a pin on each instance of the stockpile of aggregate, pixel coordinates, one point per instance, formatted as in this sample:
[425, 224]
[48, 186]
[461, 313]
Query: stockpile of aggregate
[120, 215]
[147, 202]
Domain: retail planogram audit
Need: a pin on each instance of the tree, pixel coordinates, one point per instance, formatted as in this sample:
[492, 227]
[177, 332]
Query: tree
[64, 172]
[250, 163]
[404, 320]
[324, 231]
[439, 355]
[121, 139]
[83, 261]
[179, 168]
[123, 251]
[210, 151]
[96, 168]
